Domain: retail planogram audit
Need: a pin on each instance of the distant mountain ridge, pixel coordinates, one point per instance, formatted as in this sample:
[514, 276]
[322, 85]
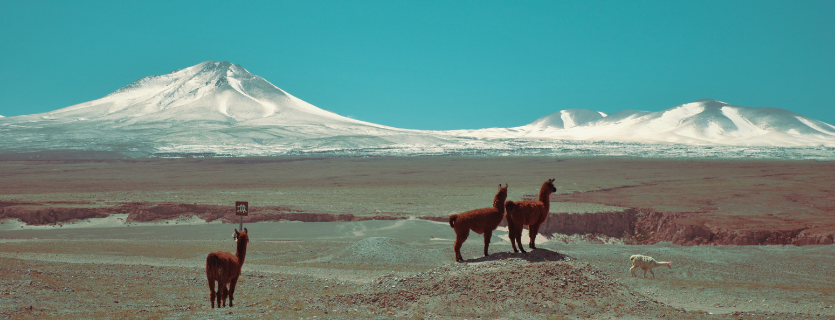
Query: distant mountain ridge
[703, 122]
[221, 108]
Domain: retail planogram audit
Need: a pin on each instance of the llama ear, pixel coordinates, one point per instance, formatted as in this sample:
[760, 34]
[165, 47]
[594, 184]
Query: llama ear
[246, 231]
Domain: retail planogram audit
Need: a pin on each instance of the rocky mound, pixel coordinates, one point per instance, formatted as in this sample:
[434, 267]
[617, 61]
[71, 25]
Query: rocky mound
[505, 284]
[387, 251]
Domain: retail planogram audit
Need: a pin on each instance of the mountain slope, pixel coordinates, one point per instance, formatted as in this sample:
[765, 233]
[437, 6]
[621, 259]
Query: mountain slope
[703, 122]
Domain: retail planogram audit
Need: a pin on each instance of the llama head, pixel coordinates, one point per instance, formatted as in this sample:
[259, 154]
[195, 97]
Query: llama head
[241, 236]
[503, 189]
[550, 185]
[502, 192]
[501, 196]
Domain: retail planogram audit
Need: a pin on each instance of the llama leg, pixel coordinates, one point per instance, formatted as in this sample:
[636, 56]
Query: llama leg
[212, 296]
[511, 233]
[533, 230]
[632, 270]
[221, 295]
[518, 238]
[487, 236]
[220, 276]
[653, 273]
[460, 237]
[511, 230]
[232, 290]
[225, 294]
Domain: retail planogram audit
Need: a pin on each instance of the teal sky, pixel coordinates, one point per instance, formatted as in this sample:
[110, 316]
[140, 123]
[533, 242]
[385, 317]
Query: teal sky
[435, 64]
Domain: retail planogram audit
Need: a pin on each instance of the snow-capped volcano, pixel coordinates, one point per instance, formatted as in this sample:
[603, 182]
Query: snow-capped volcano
[209, 107]
[210, 92]
[221, 108]
[703, 122]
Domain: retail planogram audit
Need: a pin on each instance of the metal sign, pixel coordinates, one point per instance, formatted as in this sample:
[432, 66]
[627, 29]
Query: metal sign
[241, 208]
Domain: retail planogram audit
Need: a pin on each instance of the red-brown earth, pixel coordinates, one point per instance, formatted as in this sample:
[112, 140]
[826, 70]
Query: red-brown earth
[686, 202]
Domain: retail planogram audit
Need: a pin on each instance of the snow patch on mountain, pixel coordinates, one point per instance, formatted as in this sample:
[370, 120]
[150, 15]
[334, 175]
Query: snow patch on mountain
[821, 127]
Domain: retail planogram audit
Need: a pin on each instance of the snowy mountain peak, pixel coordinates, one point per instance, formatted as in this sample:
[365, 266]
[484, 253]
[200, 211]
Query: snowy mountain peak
[711, 103]
[211, 91]
[699, 106]
[704, 121]
[569, 118]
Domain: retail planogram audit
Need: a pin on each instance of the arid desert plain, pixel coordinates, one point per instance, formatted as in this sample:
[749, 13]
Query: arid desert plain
[355, 238]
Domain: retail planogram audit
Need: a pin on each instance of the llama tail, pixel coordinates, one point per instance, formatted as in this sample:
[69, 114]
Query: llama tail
[212, 265]
[509, 206]
[452, 219]
[212, 262]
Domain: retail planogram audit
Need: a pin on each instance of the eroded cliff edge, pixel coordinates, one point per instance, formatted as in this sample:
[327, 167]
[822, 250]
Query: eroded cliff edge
[633, 225]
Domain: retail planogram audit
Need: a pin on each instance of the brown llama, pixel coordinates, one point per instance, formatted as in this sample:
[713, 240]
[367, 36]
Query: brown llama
[225, 268]
[529, 213]
[483, 220]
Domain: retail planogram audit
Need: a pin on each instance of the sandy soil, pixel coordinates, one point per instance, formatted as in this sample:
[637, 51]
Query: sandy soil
[144, 265]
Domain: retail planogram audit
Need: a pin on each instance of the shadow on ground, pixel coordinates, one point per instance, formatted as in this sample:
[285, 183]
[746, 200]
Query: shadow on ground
[536, 255]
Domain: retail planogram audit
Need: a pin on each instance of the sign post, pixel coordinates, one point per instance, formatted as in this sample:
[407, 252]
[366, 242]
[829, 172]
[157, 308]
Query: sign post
[241, 210]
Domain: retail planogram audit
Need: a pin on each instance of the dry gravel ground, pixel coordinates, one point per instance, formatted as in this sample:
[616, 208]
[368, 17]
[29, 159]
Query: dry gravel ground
[405, 268]
[406, 275]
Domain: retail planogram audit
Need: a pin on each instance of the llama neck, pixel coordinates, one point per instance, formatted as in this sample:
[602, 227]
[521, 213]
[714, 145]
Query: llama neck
[498, 203]
[241, 252]
[545, 196]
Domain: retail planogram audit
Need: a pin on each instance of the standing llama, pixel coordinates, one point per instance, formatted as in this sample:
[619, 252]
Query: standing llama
[646, 263]
[483, 220]
[225, 268]
[528, 213]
